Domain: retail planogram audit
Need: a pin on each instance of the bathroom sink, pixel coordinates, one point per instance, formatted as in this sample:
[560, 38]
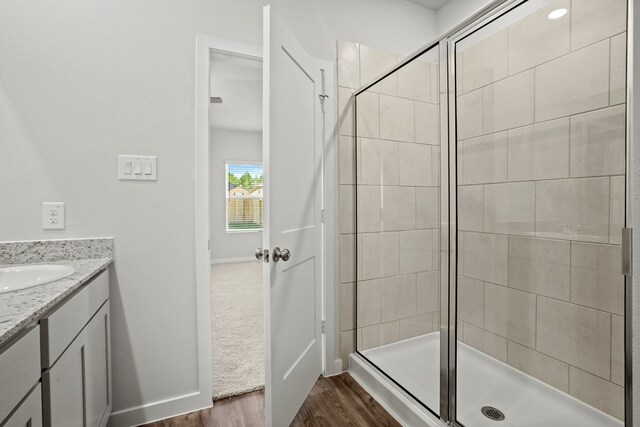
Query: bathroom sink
[27, 276]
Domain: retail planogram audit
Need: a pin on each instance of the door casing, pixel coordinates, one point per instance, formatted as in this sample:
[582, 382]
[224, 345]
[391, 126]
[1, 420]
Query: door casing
[205, 45]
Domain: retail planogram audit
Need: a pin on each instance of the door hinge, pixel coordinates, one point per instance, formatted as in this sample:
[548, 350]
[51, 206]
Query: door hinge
[324, 326]
[209, 244]
[322, 97]
[627, 251]
[322, 216]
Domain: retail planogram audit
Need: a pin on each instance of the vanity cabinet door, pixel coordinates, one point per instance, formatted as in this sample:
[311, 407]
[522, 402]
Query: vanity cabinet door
[64, 388]
[81, 375]
[29, 413]
[97, 368]
[19, 370]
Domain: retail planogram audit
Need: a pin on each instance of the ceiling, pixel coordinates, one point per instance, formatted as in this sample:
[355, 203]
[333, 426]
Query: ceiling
[238, 81]
[431, 4]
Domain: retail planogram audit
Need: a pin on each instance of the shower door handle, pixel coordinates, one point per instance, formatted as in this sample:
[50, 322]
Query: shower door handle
[279, 254]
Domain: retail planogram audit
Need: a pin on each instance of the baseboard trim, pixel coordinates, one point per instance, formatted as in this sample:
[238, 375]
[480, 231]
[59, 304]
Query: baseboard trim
[229, 260]
[160, 410]
[337, 366]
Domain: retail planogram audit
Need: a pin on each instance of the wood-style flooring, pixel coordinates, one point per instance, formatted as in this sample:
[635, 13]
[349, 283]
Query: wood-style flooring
[333, 402]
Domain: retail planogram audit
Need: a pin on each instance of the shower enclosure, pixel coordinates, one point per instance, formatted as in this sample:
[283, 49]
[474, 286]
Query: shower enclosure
[490, 213]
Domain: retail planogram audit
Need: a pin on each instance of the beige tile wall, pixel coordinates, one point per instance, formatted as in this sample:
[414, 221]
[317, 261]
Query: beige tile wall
[397, 177]
[541, 128]
[541, 198]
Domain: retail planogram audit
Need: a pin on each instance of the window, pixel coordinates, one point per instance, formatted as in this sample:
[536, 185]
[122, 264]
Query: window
[244, 196]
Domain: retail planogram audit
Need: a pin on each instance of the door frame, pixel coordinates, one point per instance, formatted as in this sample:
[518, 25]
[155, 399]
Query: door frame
[205, 45]
[480, 19]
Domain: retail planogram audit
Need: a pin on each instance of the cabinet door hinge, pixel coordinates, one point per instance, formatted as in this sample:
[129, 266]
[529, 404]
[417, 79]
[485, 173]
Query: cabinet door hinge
[324, 326]
[322, 216]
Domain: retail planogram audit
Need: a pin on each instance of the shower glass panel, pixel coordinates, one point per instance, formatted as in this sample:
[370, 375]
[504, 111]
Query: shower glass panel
[539, 95]
[398, 227]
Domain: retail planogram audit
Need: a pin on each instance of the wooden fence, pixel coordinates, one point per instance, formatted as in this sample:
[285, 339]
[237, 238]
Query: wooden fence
[244, 213]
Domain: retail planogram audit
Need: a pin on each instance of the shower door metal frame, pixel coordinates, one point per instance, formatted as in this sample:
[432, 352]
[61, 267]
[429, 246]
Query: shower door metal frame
[474, 23]
[449, 198]
[447, 330]
[480, 19]
[438, 44]
[448, 201]
[629, 220]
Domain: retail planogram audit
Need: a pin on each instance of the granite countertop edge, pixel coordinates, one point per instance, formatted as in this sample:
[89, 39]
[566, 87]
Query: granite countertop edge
[18, 310]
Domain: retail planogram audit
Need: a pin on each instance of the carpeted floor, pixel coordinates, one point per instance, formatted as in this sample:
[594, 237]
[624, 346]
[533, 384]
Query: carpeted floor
[238, 328]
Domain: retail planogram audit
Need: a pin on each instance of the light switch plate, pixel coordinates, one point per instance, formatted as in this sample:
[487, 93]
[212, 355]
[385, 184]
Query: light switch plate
[137, 168]
[53, 215]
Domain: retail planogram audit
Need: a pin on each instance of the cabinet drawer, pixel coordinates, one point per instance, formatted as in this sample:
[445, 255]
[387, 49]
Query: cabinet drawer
[60, 327]
[29, 413]
[19, 370]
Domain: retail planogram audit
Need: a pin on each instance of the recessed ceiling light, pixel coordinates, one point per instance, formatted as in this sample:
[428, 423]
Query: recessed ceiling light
[558, 13]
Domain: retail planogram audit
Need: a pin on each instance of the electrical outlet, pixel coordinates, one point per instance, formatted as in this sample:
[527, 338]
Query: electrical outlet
[53, 215]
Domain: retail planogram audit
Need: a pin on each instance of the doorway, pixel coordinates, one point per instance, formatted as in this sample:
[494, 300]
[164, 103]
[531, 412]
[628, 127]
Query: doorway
[294, 262]
[236, 190]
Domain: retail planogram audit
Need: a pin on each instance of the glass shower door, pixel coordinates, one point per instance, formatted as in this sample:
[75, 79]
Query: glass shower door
[539, 133]
[398, 226]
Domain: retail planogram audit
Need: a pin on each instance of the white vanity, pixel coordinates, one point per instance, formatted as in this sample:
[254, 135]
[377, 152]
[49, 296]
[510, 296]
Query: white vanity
[55, 362]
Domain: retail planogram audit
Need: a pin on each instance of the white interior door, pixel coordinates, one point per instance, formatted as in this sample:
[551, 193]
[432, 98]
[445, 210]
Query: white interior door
[292, 215]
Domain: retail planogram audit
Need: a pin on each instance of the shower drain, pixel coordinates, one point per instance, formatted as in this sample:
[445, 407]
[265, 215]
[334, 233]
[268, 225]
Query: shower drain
[492, 413]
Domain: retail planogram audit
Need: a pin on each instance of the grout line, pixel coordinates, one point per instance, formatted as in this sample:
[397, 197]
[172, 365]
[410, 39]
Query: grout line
[543, 296]
[571, 51]
[593, 110]
[611, 347]
[570, 268]
[609, 70]
[526, 236]
[569, 178]
[379, 115]
[414, 121]
[535, 323]
[535, 207]
[397, 141]
[609, 208]
[570, 18]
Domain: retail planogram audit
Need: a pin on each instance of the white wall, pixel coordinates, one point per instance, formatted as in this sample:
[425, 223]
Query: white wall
[230, 145]
[454, 11]
[393, 25]
[85, 80]
[80, 83]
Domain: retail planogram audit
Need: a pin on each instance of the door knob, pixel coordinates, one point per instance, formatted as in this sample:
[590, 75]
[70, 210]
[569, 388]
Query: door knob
[262, 254]
[283, 254]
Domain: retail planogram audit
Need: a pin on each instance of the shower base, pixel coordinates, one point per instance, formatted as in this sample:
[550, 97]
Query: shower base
[482, 381]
